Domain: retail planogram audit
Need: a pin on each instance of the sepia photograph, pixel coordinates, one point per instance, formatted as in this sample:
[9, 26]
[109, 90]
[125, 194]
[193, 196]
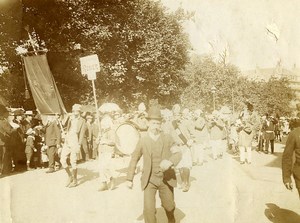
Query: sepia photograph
[149, 111]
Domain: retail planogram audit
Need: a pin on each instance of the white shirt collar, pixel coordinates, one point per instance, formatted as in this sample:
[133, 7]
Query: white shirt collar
[154, 137]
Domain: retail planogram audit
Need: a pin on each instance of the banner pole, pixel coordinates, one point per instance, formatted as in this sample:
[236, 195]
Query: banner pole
[96, 105]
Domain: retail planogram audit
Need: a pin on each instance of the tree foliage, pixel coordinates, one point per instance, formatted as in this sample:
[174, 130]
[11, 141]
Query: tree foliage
[141, 47]
[11, 79]
[233, 89]
[143, 54]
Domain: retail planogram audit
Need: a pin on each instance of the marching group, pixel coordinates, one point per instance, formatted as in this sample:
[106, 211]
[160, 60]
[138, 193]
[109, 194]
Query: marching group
[41, 141]
[169, 140]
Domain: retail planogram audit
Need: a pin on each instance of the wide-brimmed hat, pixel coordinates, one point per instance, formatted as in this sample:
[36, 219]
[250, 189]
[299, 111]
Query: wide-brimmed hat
[18, 112]
[154, 113]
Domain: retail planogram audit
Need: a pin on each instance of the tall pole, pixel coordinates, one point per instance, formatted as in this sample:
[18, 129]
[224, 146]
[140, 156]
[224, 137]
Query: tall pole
[96, 104]
[90, 66]
[214, 101]
[213, 91]
[232, 98]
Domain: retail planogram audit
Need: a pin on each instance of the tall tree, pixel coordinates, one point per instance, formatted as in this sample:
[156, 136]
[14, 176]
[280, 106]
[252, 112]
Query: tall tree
[141, 47]
[232, 89]
[11, 78]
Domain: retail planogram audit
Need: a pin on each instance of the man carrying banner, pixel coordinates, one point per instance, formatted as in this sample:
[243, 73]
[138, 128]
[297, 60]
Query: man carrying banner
[73, 140]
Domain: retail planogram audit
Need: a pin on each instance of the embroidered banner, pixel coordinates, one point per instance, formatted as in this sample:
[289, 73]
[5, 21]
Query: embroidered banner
[42, 85]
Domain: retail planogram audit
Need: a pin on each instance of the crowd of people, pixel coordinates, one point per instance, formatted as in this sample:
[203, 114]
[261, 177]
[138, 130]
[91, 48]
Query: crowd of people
[175, 139]
[39, 143]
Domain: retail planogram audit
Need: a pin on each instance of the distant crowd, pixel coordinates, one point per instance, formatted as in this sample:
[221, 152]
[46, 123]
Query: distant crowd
[37, 140]
[219, 130]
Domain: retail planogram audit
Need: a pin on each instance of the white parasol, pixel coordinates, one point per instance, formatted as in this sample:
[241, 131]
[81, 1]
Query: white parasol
[109, 107]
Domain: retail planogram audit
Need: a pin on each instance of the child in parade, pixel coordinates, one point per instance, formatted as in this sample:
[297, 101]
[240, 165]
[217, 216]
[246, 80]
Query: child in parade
[44, 156]
[30, 147]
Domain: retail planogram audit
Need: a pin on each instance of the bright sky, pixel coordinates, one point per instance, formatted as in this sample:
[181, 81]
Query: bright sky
[241, 27]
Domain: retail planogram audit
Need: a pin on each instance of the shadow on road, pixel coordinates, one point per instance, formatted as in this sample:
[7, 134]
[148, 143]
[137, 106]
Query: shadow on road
[86, 175]
[276, 162]
[21, 168]
[279, 215]
[162, 217]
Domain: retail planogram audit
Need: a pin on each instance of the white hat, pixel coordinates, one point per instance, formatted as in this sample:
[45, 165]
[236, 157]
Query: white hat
[142, 107]
[29, 113]
[76, 107]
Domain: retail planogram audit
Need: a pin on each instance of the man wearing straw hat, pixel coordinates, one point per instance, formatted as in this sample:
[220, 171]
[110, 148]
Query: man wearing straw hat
[159, 156]
[73, 140]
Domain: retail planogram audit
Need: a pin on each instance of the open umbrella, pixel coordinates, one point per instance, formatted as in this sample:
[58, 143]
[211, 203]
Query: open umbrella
[109, 107]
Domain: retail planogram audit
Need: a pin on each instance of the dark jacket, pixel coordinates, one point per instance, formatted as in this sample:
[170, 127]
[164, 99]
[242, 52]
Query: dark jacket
[5, 131]
[52, 134]
[143, 148]
[292, 146]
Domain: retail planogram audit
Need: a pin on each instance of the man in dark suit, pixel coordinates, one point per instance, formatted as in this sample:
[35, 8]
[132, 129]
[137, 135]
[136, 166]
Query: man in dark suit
[289, 167]
[269, 130]
[52, 141]
[159, 156]
[5, 134]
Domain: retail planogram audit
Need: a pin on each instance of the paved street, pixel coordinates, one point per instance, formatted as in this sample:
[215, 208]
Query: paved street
[221, 191]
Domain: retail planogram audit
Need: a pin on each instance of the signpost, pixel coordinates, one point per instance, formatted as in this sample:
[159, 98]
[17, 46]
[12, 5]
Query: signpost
[90, 66]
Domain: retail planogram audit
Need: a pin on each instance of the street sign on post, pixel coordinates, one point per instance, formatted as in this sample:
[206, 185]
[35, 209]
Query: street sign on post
[91, 76]
[90, 66]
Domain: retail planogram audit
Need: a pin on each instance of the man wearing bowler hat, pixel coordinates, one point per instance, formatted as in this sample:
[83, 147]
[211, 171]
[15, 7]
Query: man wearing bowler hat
[160, 155]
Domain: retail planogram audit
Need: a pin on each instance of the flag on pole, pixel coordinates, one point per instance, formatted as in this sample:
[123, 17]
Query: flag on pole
[42, 85]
